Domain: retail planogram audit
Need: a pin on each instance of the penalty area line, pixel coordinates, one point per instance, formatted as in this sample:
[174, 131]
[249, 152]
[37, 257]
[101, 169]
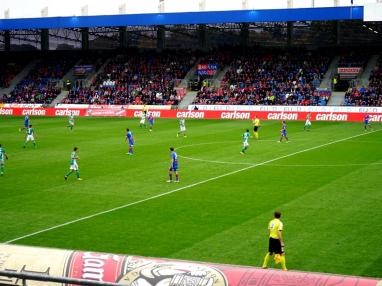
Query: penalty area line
[184, 187]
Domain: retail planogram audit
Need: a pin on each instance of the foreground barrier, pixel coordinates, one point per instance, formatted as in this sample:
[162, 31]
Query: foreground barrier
[196, 114]
[139, 271]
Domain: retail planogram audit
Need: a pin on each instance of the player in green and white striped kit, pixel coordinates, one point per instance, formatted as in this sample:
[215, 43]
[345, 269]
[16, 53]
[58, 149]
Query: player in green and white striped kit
[73, 165]
[3, 157]
[30, 136]
[246, 136]
[71, 121]
[182, 127]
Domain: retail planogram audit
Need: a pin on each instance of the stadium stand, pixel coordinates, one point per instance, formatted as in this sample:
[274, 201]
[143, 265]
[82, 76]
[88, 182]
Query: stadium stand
[270, 79]
[367, 96]
[41, 85]
[135, 79]
[8, 70]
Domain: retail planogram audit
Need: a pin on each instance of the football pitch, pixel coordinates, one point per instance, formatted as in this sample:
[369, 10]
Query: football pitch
[327, 183]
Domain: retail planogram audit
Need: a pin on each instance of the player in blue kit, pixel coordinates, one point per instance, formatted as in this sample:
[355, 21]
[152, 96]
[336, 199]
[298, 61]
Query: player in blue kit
[26, 123]
[283, 132]
[173, 167]
[366, 121]
[130, 140]
[151, 121]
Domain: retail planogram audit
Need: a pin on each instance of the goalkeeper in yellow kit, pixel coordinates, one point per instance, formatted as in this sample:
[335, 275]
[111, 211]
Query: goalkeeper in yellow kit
[276, 242]
[256, 126]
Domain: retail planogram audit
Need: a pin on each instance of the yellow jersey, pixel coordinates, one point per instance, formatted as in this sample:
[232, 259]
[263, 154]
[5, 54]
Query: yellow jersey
[256, 122]
[274, 226]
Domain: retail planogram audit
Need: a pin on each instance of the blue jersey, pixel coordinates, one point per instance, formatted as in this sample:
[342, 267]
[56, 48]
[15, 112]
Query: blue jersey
[26, 121]
[130, 137]
[366, 119]
[174, 161]
[283, 129]
[151, 120]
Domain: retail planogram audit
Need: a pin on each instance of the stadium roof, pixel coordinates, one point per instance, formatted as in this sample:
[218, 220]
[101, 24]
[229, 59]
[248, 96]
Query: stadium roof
[212, 17]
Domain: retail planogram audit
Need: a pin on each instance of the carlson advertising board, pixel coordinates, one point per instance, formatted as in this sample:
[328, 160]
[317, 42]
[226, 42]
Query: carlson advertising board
[195, 114]
[141, 271]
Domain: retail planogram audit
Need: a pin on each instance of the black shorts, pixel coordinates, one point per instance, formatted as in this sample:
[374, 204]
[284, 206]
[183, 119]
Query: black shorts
[255, 128]
[275, 246]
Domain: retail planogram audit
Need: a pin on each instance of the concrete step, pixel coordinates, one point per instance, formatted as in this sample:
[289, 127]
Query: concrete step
[59, 98]
[332, 70]
[363, 78]
[90, 79]
[337, 98]
[187, 99]
[19, 77]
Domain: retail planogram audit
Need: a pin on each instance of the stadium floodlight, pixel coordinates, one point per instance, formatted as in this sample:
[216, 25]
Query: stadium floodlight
[122, 9]
[161, 6]
[244, 4]
[44, 12]
[202, 5]
[85, 10]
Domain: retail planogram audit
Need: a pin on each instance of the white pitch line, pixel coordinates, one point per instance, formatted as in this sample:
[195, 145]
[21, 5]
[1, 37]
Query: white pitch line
[326, 165]
[222, 142]
[217, 162]
[281, 165]
[185, 187]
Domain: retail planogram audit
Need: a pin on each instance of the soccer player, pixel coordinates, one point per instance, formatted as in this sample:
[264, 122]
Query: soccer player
[73, 165]
[182, 127]
[145, 109]
[130, 140]
[276, 242]
[30, 136]
[283, 132]
[3, 157]
[246, 136]
[256, 126]
[71, 121]
[366, 121]
[142, 123]
[26, 123]
[173, 167]
[307, 122]
[151, 121]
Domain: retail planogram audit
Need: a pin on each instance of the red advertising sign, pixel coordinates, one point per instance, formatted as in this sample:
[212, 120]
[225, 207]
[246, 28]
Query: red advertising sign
[142, 271]
[193, 114]
[349, 70]
[95, 266]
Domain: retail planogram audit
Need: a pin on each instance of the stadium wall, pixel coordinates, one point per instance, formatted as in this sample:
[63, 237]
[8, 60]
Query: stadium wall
[142, 271]
[328, 115]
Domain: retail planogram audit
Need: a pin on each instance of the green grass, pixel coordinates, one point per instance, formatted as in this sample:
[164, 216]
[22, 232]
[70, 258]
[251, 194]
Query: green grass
[330, 197]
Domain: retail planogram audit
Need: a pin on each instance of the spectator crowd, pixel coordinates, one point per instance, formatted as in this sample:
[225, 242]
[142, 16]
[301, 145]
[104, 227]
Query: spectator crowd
[285, 79]
[8, 71]
[367, 96]
[256, 78]
[148, 78]
[41, 85]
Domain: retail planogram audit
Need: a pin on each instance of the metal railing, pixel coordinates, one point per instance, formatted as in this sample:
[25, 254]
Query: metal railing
[26, 276]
